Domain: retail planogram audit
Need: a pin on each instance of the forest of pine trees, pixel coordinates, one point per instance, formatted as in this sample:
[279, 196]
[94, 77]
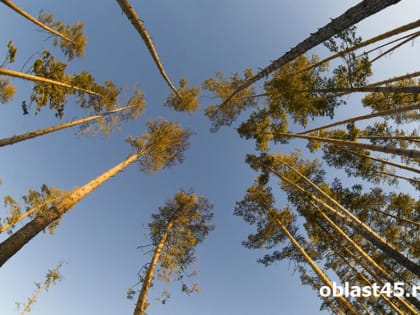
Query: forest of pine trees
[332, 150]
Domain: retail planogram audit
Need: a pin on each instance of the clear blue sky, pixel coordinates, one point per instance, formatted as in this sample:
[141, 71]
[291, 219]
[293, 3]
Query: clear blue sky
[98, 238]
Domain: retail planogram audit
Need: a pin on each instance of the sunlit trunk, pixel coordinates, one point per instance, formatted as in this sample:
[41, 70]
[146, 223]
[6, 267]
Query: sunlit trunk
[415, 154]
[362, 228]
[41, 132]
[142, 299]
[34, 20]
[138, 25]
[313, 264]
[364, 117]
[33, 78]
[17, 240]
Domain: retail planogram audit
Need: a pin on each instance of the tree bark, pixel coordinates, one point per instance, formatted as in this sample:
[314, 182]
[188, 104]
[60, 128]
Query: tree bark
[369, 283]
[41, 132]
[352, 16]
[138, 25]
[34, 20]
[363, 117]
[399, 165]
[362, 228]
[372, 40]
[362, 252]
[313, 264]
[17, 240]
[141, 301]
[34, 78]
[415, 154]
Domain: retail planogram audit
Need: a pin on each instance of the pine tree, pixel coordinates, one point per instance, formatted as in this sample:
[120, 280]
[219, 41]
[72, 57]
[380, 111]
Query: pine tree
[179, 226]
[161, 146]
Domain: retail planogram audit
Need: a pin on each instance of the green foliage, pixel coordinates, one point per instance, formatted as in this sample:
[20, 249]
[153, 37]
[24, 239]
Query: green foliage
[191, 216]
[163, 145]
[356, 69]
[224, 115]
[7, 90]
[52, 277]
[72, 42]
[384, 101]
[35, 203]
[188, 101]
[45, 93]
[176, 229]
[295, 90]
[101, 97]
[11, 53]
[106, 95]
[111, 121]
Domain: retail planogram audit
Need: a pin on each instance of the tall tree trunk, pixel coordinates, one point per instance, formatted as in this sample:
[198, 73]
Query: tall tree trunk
[41, 132]
[372, 40]
[138, 25]
[29, 17]
[399, 165]
[367, 281]
[415, 154]
[34, 78]
[368, 88]
[388, 51]
[352, 16]
[390, 137]
[17, 240]
[363, 253]
[410, 180]
[312, 263]
[28, 213]
[141, 301]
[413, 300]
[362, 228]
[363, 117]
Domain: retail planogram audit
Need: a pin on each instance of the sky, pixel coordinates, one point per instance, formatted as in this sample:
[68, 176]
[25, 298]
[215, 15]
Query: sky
[98, 239]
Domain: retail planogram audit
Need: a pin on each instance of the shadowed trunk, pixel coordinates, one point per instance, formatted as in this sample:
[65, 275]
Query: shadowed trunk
[352, 16]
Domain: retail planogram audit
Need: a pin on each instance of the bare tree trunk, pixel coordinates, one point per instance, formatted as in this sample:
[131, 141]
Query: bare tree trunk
[372, 40]
[415, 154]
[17, 240]
[363, 253]
[388, 137]
[138, 25]
[363, 117]
[352, 16]
[399, 165]
[408, 179]
[141, 301]
[30, 77]
[41, 132]
[367, 281]
[312, 263]
[29, 17]
[372, 88]
[362, 228]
